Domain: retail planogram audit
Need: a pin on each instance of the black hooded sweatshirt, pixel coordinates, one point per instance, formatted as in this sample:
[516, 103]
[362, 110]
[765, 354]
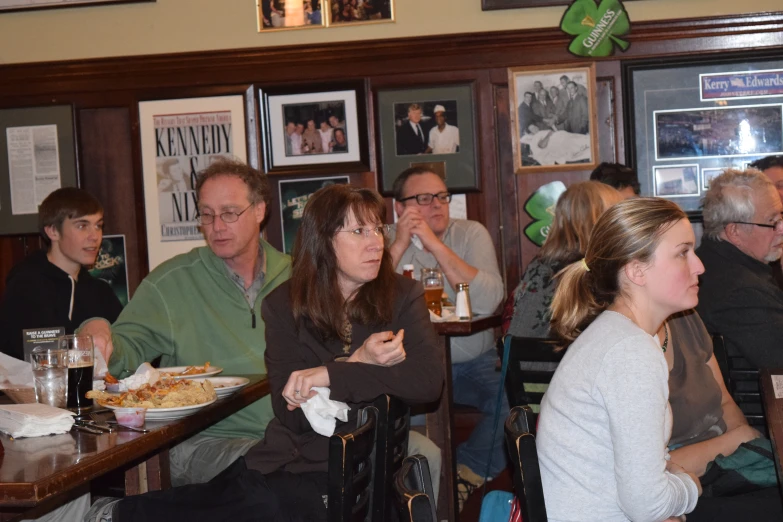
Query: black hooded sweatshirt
[40, 295]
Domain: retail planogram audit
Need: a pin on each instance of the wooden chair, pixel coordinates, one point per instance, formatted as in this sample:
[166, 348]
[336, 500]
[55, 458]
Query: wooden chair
[352, 462]
[529, 350]
[363, 460]
[521, 444]
[391, 449]
[742, 382]
[413, 487]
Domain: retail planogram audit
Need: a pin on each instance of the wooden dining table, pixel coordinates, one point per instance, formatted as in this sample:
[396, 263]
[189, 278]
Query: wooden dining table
[440, 423]
[40, 473]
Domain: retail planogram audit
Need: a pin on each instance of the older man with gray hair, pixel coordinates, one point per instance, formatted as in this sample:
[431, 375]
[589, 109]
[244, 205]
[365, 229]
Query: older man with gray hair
[743, 232]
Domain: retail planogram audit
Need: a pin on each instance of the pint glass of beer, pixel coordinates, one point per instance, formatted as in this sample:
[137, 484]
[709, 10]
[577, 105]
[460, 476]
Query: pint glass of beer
[432, 279]
[81, 357]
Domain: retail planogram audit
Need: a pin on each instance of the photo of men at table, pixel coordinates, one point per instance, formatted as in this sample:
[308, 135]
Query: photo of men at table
[553, 115]
[315, 128]
[427, 127]
[352, 11]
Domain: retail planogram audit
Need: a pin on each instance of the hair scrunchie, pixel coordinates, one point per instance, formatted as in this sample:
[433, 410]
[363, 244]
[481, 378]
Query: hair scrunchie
[584, 264]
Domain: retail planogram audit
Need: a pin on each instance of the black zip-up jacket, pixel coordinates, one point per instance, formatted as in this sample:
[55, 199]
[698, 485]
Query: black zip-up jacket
[40, 295]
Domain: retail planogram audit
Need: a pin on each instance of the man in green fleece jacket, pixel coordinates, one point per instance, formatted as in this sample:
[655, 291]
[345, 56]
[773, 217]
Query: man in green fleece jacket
[205, 306]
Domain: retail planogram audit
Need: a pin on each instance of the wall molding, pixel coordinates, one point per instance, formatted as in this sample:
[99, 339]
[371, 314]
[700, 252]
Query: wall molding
[338, 60]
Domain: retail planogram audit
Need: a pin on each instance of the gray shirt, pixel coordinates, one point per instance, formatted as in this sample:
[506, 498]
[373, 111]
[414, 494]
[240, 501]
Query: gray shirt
[604, 426]
[473, 244]
[255, 288]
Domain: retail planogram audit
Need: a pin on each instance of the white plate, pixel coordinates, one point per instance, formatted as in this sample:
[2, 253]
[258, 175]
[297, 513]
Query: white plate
[156, 414]
[213, 370]
[225, 386]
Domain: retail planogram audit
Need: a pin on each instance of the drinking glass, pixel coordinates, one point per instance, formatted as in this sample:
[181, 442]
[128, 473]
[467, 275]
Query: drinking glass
[432, 279]
[50, 372]
[81, 357]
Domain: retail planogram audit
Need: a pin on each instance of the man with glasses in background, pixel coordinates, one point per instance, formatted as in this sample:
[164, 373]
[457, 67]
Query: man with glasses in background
[426, 237]
[206, 306]
[743, 232]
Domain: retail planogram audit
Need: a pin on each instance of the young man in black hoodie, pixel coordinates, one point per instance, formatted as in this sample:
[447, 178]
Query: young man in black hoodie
[52, 288]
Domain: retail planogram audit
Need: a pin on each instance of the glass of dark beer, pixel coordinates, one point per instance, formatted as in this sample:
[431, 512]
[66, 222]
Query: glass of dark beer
[81, 357]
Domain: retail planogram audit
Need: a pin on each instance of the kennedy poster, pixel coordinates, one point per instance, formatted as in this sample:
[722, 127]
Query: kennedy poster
[179, 138]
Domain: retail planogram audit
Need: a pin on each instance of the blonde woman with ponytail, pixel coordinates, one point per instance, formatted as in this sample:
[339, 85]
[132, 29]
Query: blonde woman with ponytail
[605, 420]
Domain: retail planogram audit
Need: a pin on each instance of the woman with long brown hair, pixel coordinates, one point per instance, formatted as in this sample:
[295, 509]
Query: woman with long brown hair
[576, 212]
[605, 420]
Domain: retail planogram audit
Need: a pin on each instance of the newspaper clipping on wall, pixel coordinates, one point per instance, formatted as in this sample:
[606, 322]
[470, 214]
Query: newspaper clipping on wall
[186, 144]
[34, 166]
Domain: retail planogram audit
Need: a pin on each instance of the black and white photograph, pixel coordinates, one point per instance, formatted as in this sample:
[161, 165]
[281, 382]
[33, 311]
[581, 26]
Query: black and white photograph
[315, 128]
[357, 12]
[293, 198]
[426, 127]
[718, 132]
[676, 180]
[278, 15]
[707, 175]
[553, 120]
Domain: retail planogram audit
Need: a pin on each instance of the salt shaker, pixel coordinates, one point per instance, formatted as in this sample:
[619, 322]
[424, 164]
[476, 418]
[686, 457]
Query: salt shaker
[463, 311]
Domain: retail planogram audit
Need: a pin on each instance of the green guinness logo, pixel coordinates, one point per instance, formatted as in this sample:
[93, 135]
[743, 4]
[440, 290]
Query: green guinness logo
[596, 27]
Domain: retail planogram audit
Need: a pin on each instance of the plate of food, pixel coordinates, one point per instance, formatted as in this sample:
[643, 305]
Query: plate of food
[185, 372]
[225, 386]
[165, 400]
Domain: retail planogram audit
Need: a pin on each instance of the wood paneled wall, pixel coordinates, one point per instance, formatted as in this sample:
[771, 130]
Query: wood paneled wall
[106, 92]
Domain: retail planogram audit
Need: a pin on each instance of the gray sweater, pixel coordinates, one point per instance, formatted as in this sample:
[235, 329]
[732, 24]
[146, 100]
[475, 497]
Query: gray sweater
[604, 426]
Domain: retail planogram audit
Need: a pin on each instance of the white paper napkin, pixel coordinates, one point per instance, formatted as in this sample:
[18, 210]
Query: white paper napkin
[145, 374]
[34, 420]
[447, 315]
[322, 412]
[15, 373]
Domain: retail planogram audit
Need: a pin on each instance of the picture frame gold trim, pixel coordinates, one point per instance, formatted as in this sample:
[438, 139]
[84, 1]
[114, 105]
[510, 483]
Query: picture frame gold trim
[514, 74]
[331, 23]
[262, 29]
[21, 5]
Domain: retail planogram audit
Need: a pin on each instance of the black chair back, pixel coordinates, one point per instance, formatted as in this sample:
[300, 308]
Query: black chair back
[413, 486]
[521, 444]
[742, 381]
[531, 361]
[391, 449]
[352, 464]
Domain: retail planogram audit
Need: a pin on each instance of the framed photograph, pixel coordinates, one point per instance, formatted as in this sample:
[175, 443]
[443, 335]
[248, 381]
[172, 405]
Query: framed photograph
[110, 266]
[360, 12]
[281, 15]
[178, 139]
[428, 125]
[305, 129]
[714, 112]
[707, 175]
[553, 120]
[37, 156]
[20, 5]
[675, 181]
[720, 132]
[293, 197]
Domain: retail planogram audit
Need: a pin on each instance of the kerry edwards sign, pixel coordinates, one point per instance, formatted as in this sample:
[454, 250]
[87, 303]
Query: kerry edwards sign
[738, 85]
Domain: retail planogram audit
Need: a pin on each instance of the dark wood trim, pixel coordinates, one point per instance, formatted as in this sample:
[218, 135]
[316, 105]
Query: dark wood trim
[380, 57]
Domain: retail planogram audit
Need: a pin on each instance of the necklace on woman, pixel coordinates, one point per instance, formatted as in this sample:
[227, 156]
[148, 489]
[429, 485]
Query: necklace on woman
[348, 332]
[665, 338]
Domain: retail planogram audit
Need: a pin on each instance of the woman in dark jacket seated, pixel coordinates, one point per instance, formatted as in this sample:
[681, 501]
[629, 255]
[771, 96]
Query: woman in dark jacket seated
[344, 321]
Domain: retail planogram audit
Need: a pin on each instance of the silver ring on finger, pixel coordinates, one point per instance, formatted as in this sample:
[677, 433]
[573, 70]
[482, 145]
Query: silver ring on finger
[296, 392]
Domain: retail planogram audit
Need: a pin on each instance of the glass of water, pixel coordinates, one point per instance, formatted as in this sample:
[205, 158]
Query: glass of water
[50, 372]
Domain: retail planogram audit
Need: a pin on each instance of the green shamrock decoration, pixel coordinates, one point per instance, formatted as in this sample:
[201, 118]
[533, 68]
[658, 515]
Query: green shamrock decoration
[541, 207]
[596, 27]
